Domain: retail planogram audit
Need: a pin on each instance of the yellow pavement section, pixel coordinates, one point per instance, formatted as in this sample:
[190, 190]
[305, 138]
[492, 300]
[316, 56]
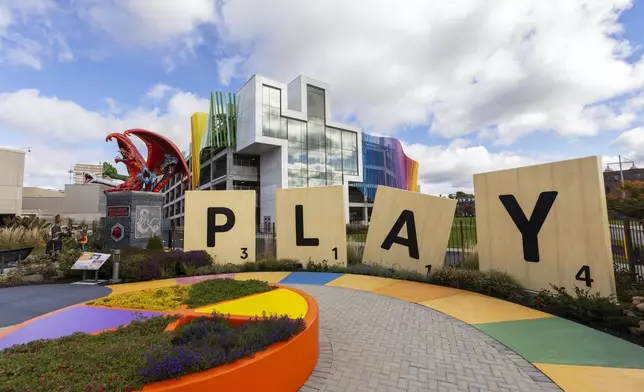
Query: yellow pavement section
[573, 378]
[415, 292]
[475, 308]
[131, 287]
[276, 302]
[270, 277]
[361, 282]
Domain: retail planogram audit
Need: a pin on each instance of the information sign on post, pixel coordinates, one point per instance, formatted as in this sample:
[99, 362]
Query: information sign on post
[90, 261]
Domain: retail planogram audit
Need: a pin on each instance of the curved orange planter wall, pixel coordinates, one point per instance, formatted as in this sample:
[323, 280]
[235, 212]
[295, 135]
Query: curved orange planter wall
[283, 367]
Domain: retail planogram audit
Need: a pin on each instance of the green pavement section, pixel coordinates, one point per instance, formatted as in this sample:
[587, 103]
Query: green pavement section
[559, 341]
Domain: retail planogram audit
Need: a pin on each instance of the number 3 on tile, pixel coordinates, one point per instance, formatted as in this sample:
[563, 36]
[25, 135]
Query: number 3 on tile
[584, 275]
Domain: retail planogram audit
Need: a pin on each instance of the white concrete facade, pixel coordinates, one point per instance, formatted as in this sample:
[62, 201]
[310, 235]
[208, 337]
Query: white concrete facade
[273, 151]
[12, 175]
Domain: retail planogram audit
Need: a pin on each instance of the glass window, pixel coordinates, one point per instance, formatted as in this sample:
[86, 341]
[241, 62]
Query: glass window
[333, 138]
[295, 182]
[266, 124]
[297, 163]
[275, 97]
[317, 182]
[315, 102]
[272, 123]
[266, 96]
[334, 178]
[296, 133]
[317, 160]
[282, 132]
[349, 141]
[334, 160]
[275, 126]
[316, 136]
[350, 162]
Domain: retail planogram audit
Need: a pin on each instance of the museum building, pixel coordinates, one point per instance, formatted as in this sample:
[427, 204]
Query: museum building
[272, 135]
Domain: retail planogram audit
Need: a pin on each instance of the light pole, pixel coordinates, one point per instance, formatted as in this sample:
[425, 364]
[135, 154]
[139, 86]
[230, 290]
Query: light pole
[621, 170]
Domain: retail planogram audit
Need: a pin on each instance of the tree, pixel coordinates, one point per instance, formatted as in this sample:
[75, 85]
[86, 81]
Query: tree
[460, 195]
[633, 204]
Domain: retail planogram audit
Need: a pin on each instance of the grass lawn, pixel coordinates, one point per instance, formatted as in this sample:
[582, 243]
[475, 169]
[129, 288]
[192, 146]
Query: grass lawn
[468, 233]
[463, 233]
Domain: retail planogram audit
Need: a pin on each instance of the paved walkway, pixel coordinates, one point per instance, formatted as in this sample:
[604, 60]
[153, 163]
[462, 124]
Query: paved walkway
[18, 304]
[385, 344]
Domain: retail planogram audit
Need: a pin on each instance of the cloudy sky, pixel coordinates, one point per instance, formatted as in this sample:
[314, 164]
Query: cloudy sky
[468, 85]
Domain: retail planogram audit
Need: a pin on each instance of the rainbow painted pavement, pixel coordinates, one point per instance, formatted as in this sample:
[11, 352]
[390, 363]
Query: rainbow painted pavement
[577, 358]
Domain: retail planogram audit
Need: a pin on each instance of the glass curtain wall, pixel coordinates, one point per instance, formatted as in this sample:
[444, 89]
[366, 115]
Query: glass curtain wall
[316, 138]
[319, 155]
[273, 124]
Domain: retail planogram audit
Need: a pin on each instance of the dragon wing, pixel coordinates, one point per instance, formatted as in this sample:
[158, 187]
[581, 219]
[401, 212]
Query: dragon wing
[158, 146]
[126, 144]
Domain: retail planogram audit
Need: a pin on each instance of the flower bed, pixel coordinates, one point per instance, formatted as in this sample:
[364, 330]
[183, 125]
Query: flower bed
[133, 356]
[199, 294]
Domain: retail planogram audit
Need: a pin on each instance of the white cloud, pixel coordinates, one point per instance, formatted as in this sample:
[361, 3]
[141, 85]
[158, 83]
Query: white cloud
[174, 27]
[62, 130]
[27, 36]
[511, 67]
[113, 107]
[227, 68]
[67, 121]
[158, 91]
[446, 169]
[631, 143]
[148, 23]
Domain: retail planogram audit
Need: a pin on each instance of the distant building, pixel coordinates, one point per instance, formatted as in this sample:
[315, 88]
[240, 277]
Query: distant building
[43, 203]
[12, 174]
[81, 168]
[274, 135]
[80, 202]
[612, 179]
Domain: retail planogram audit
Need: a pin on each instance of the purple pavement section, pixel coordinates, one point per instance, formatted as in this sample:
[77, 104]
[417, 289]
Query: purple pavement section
[68, 321]
[203, 278]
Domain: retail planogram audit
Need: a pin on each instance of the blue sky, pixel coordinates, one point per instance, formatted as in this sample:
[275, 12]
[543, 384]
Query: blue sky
[571, 87]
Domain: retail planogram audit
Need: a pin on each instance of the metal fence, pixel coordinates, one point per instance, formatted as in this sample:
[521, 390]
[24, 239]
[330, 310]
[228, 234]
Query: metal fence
[461, 246]
[627, 240]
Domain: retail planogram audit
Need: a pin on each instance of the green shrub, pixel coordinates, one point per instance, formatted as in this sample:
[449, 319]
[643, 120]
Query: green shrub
[353, 255]
[189, 269]
[66, 260]
[357, 228]
[493, 283]
[627, 288]
[131, 266]
[591, 309]
[218, 290]
[278, 265]
[155, 243]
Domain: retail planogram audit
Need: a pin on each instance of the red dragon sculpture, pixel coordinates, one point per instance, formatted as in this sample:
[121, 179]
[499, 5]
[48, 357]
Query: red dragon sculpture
[163, 162]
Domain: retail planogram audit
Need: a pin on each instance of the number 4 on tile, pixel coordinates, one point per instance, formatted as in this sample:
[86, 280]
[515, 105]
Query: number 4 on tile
[584, 275]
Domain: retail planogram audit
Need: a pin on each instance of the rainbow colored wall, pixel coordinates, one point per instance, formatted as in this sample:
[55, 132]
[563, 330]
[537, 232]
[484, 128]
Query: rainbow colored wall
[384, 163]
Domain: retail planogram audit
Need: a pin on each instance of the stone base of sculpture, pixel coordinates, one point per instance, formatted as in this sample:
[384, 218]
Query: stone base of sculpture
[132, 219]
